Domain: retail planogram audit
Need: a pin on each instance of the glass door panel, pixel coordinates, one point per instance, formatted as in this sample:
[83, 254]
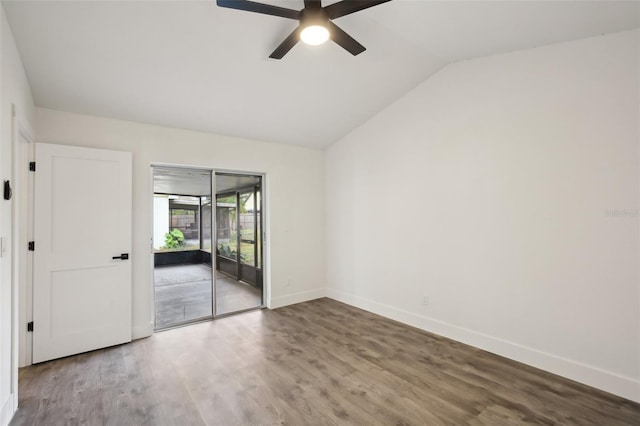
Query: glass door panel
[247, 228]
[227, 234]
[238, 244]
[182, 268]
[205, 224]
[258, 229]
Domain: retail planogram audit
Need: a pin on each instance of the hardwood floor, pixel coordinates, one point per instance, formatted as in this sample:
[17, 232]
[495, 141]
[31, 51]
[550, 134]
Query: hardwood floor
[315, 363]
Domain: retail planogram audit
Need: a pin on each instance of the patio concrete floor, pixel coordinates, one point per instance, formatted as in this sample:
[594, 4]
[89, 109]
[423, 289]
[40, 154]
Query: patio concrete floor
[183, 293]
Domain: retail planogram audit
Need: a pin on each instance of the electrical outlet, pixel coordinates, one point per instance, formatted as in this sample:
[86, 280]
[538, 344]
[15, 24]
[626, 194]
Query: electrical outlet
[425, 301]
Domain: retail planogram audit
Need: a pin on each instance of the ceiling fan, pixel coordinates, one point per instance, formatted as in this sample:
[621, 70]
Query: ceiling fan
[315, 22]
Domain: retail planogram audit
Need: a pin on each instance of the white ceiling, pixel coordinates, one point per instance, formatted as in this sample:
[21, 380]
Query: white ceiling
[181, 181]
[194, 65]
[226, 182]
[197, 182]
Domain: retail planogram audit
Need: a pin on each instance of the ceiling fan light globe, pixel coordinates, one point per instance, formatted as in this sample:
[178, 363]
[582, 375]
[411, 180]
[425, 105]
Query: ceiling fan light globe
[314, 35]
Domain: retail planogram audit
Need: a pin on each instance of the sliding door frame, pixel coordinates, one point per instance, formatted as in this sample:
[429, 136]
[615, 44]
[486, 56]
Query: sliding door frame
[152, 281]
[265, 287]
[265, 251]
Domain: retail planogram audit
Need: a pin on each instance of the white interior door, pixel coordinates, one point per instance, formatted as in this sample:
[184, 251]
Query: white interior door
[82, 221]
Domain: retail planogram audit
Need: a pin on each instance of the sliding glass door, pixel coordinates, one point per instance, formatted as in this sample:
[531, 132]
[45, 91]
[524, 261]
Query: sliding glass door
[182, 273]
[238, 242]
[207, 244]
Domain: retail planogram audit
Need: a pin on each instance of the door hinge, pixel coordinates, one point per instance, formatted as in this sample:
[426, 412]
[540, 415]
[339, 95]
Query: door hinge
[32, 166]
[32, 246]
[30, 326]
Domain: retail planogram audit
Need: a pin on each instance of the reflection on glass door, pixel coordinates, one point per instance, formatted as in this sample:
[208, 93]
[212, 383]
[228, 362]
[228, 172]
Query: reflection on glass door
[249, 236]
[205, 224]
[238, 243]
[226, 234]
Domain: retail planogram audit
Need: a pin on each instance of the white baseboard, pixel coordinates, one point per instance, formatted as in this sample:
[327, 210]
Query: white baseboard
[142, 331]
[290, 299]
[607, 381]
[8, 410]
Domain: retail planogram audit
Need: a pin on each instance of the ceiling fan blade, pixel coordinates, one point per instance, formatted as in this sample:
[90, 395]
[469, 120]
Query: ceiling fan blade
[347, 42]
[313, 3]
[347, 7]
[266, 9]
[286, 45]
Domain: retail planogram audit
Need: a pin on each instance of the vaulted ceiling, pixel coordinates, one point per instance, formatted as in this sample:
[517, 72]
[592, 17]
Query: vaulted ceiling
[197, 66]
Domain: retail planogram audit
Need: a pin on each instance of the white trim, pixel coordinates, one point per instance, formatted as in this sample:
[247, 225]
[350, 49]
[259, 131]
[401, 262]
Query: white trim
[139, 332]
[25, 289]
[24, 130]
[625, 387]
[214, 241]
[7, 412]
[291, 299]
[265, 214]
[19, 129]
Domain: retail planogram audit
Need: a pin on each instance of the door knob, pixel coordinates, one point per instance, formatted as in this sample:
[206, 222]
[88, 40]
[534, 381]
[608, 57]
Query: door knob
[123, 256]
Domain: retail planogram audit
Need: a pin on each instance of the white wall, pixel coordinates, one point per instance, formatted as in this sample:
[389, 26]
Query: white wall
[15, 94]
[294, 195]
[489, 188]
[160, 219]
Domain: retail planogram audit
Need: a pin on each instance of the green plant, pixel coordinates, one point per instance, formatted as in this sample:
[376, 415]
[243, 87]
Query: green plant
[226, 251]
[174, 239]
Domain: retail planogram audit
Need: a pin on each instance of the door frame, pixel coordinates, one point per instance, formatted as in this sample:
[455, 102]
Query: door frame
[22, 258]
[20, 133]
[266, 246]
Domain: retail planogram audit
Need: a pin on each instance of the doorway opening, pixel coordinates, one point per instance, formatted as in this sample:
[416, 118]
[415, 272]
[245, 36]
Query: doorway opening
[187, 287]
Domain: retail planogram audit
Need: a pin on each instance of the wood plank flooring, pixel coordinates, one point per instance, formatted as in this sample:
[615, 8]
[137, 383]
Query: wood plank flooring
[315, 363]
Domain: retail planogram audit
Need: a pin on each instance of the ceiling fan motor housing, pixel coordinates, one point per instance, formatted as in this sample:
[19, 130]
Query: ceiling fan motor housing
[314, 16]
